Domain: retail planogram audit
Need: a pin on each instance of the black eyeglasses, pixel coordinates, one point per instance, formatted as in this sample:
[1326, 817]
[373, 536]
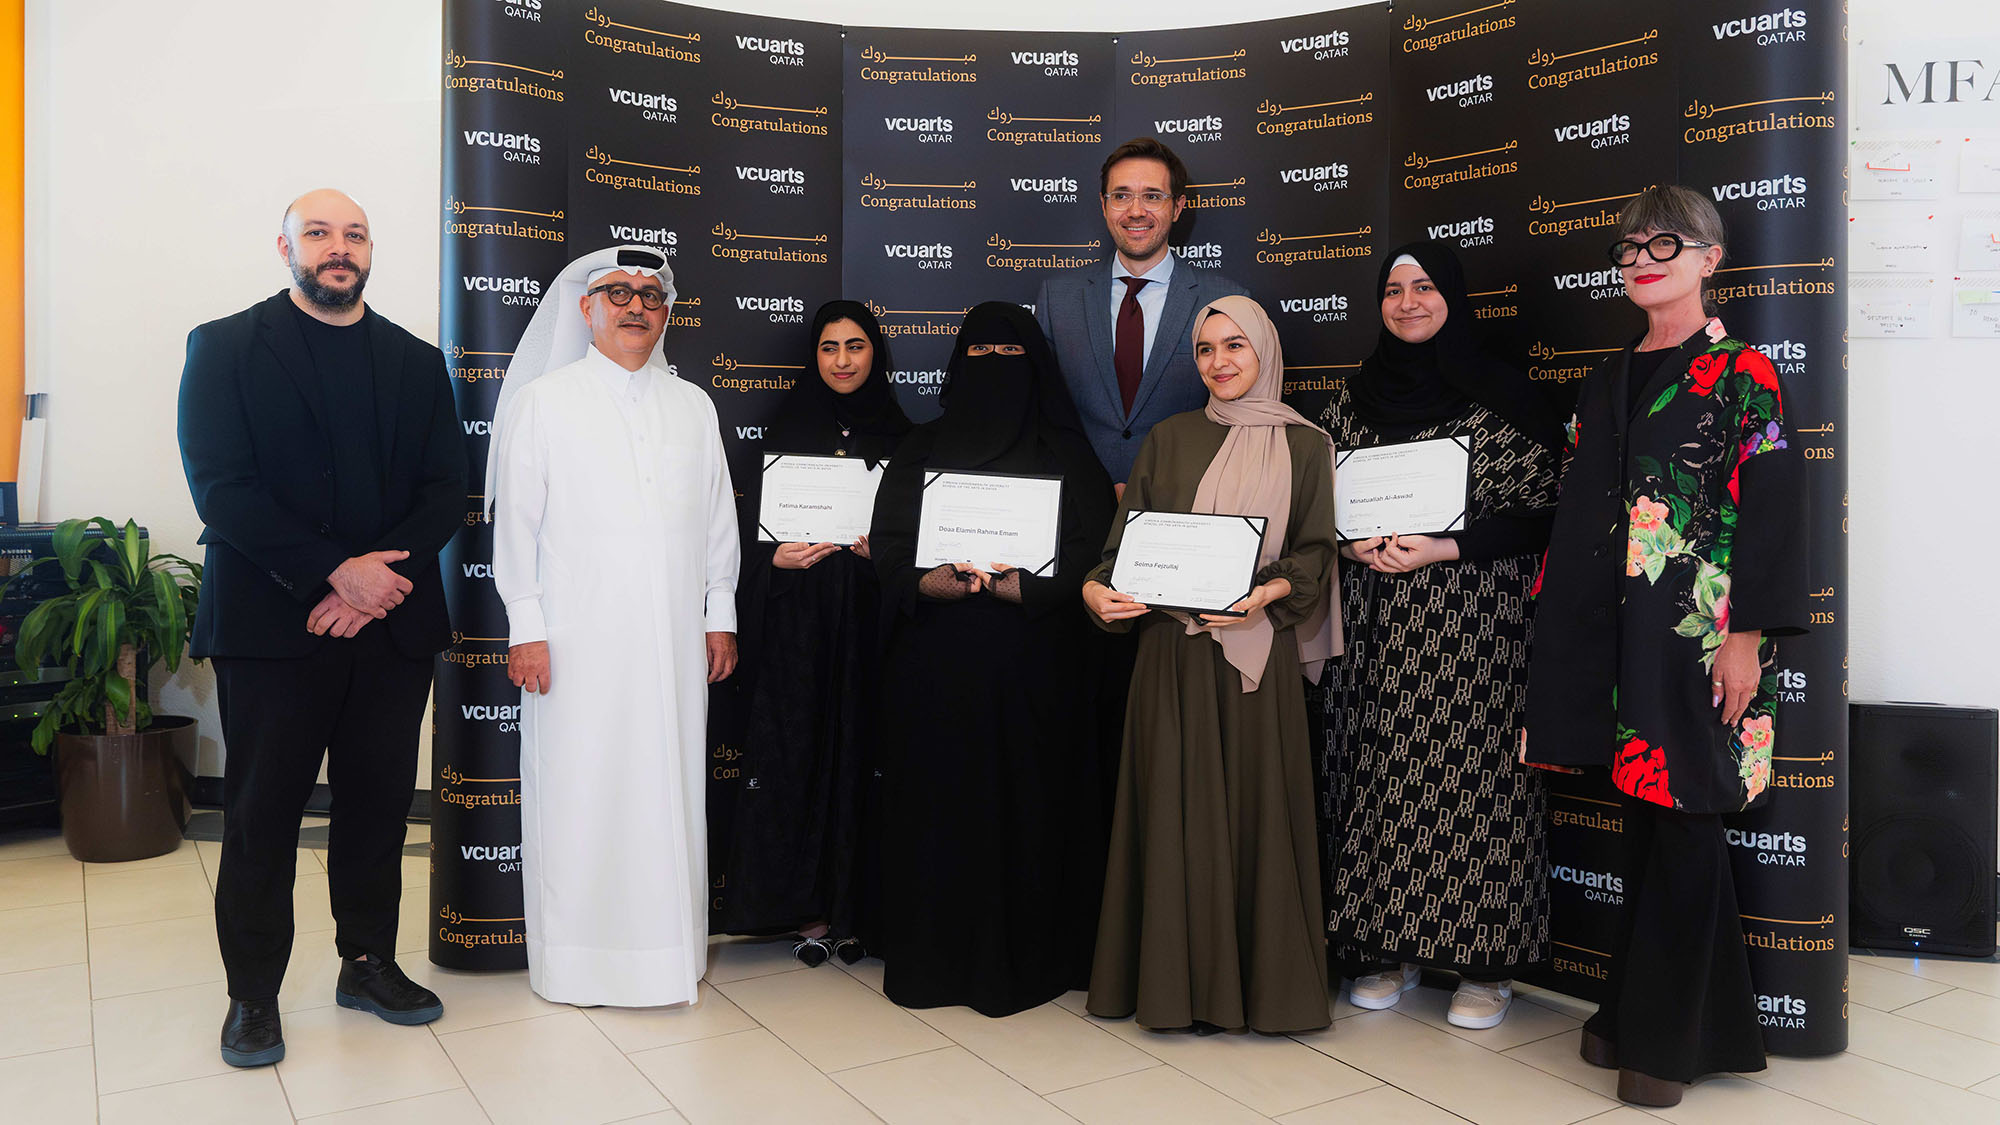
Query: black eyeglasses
[621, 295]
[1660, 247]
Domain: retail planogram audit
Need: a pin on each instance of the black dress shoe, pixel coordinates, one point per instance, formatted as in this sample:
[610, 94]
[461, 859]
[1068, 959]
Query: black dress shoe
[251, 1035]
[380, 987]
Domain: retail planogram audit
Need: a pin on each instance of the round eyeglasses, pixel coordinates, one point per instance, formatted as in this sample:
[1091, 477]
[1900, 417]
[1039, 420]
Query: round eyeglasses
[1660, 248]
[621, 295]
[1150, 200]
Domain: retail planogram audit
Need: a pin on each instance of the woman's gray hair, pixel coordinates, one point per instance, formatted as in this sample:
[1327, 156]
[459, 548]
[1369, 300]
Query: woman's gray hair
[1675, 210]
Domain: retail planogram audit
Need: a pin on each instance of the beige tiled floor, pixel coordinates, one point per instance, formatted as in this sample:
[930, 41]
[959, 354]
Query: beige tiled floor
[111, 996]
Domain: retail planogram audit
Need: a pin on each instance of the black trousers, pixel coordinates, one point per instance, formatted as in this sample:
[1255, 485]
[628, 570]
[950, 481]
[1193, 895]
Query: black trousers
[1679, 1002]
[360, 702]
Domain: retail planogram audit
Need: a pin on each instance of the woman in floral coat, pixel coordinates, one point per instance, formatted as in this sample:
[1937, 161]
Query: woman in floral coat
[1678, 554]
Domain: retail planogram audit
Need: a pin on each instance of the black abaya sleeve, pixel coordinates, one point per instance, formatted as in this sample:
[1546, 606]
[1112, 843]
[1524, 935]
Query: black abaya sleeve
[892, 530]
[1504, 536]
[1087, 503]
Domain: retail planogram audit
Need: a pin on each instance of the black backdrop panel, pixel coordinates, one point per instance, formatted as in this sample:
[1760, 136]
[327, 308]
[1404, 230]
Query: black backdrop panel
[782, 163]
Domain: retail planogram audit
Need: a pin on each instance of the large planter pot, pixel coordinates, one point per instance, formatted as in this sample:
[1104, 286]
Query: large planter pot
[124, 796]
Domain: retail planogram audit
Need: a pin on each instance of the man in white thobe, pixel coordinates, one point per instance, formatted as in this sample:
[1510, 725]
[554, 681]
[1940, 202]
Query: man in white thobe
[615, 551]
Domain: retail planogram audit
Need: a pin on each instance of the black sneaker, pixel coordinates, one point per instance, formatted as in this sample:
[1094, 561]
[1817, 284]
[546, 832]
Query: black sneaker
[251, 1035]
[380, 987]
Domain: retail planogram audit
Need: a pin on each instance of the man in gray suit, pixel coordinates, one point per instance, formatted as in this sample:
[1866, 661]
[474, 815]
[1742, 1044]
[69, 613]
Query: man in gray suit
[1123, 330]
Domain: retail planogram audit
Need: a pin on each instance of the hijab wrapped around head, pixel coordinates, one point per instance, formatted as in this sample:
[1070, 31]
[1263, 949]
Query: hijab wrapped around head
[1251, 475]
[1404, 387]
[812, 416]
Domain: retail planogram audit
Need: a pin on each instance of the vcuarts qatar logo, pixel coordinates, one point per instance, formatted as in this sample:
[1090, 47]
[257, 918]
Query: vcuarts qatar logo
[510, 290]
[1777, 194]
[1789, 357]
[1476, 90]
[1464, 233]
[1194, 130]
[1052, 64]
[1605, 132]
[778, 52]
[928, 130]
[1599, 285]
[663, 239]
[1328, 309]
[1781, 1011]
[778, 310]
[1322, 177]
[1053, 189]
[529, 11]
[925, 256]
[1326, 45]
[520, 148]
[780, 181]
[1773, 849]
[506, 717]
[1598, 886]
[503, 857]
[1201, 255]
[1787, 26]
[662, 108]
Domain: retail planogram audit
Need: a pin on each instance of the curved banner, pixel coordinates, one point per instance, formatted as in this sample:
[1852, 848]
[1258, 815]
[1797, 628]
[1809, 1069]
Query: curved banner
[780, 164]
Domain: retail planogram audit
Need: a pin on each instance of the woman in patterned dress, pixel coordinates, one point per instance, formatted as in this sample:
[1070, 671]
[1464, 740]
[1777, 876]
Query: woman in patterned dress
[1678, 553]
[1435, 855]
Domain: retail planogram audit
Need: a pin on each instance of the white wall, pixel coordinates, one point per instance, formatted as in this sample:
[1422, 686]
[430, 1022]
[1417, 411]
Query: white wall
[164, 140]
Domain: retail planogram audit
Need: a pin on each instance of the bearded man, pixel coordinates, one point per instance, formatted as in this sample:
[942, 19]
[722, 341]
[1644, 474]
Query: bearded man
[322, 447]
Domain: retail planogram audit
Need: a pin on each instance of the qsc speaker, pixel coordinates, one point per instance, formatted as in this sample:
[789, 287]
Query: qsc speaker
[1922, 801]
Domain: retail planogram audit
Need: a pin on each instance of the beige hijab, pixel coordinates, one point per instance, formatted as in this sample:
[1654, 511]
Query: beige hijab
[1251, 475]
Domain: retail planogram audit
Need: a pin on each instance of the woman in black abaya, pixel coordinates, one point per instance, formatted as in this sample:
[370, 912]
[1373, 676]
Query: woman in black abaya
[811, 650]
[992, 820]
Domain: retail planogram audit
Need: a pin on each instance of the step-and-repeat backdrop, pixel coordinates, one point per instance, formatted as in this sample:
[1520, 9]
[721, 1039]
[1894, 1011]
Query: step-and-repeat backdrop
[780, 164]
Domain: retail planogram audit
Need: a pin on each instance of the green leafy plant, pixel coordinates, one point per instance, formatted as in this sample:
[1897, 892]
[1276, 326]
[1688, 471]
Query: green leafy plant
[121, 600]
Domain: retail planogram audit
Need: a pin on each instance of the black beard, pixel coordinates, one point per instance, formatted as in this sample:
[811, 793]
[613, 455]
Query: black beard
[327, 296]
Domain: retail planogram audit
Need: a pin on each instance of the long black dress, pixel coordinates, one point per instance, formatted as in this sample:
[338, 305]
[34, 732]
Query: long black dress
[811, 653]
[992, 819]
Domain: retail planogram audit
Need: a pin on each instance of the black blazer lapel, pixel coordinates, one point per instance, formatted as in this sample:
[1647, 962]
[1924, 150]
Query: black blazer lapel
[280, 332]
[386, 350]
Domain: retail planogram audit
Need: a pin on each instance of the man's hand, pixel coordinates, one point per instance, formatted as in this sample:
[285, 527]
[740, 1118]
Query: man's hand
[335, 617]
[721, 656]
[528, 666]
[366, 582]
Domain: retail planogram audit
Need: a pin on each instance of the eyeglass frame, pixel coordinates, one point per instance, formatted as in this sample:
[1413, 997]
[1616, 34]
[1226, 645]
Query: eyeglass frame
[658, 295]
[1137, 197]
[1680, 244]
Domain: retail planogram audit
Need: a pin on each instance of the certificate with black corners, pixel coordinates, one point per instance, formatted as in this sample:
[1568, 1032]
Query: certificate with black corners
[1198, 562]
[812, 499]
[1409, 488]
[986, 518]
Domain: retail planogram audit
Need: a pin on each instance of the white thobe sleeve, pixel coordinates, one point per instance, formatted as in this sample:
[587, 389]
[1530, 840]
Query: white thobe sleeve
[522, 482]
[724, 552]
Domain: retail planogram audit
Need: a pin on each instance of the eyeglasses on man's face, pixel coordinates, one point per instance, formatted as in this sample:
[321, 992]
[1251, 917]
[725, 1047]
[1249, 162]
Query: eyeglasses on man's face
[1151, 200]
[621, 295]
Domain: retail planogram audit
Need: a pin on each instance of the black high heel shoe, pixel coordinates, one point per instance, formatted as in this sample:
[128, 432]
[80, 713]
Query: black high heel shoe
[849, 950]
[811, 952]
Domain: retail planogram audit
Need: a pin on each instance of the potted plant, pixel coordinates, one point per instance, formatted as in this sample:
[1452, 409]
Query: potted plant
[121, 772]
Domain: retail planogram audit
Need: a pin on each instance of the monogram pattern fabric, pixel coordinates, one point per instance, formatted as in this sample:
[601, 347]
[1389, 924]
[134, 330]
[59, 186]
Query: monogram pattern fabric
[1434, 847]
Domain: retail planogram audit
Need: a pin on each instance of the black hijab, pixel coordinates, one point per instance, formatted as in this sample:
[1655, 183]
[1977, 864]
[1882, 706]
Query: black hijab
[812, 416]
[996, 406]
[1404, 387]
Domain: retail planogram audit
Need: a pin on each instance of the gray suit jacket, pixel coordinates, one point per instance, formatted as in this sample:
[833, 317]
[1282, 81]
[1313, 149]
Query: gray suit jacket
[1074, 309]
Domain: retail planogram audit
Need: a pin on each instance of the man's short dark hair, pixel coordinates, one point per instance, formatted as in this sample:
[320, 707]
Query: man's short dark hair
[1146, 148]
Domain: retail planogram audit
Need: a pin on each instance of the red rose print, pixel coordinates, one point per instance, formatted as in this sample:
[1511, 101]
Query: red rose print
[1641, 770]
[1706, 369]
[1759, 369]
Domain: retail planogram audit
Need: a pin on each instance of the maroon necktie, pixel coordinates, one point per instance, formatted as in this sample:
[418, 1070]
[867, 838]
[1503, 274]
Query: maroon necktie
[1128, 354]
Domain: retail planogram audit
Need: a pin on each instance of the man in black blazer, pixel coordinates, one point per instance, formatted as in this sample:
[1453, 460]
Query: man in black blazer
[322, 446]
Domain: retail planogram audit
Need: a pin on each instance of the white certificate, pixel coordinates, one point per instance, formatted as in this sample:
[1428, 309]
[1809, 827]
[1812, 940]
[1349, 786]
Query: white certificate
[1890, 307]
[812, 499]
[1196, 562]
[1410, 488]
[987, 518]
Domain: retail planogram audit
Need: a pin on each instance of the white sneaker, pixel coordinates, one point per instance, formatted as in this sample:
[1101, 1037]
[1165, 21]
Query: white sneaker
[1477, 1005]
[1381, 990]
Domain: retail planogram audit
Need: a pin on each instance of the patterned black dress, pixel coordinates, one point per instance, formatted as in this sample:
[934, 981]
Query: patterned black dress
[1435, 853]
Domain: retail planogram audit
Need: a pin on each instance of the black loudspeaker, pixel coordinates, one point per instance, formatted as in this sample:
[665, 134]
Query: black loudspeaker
[1923, 782]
